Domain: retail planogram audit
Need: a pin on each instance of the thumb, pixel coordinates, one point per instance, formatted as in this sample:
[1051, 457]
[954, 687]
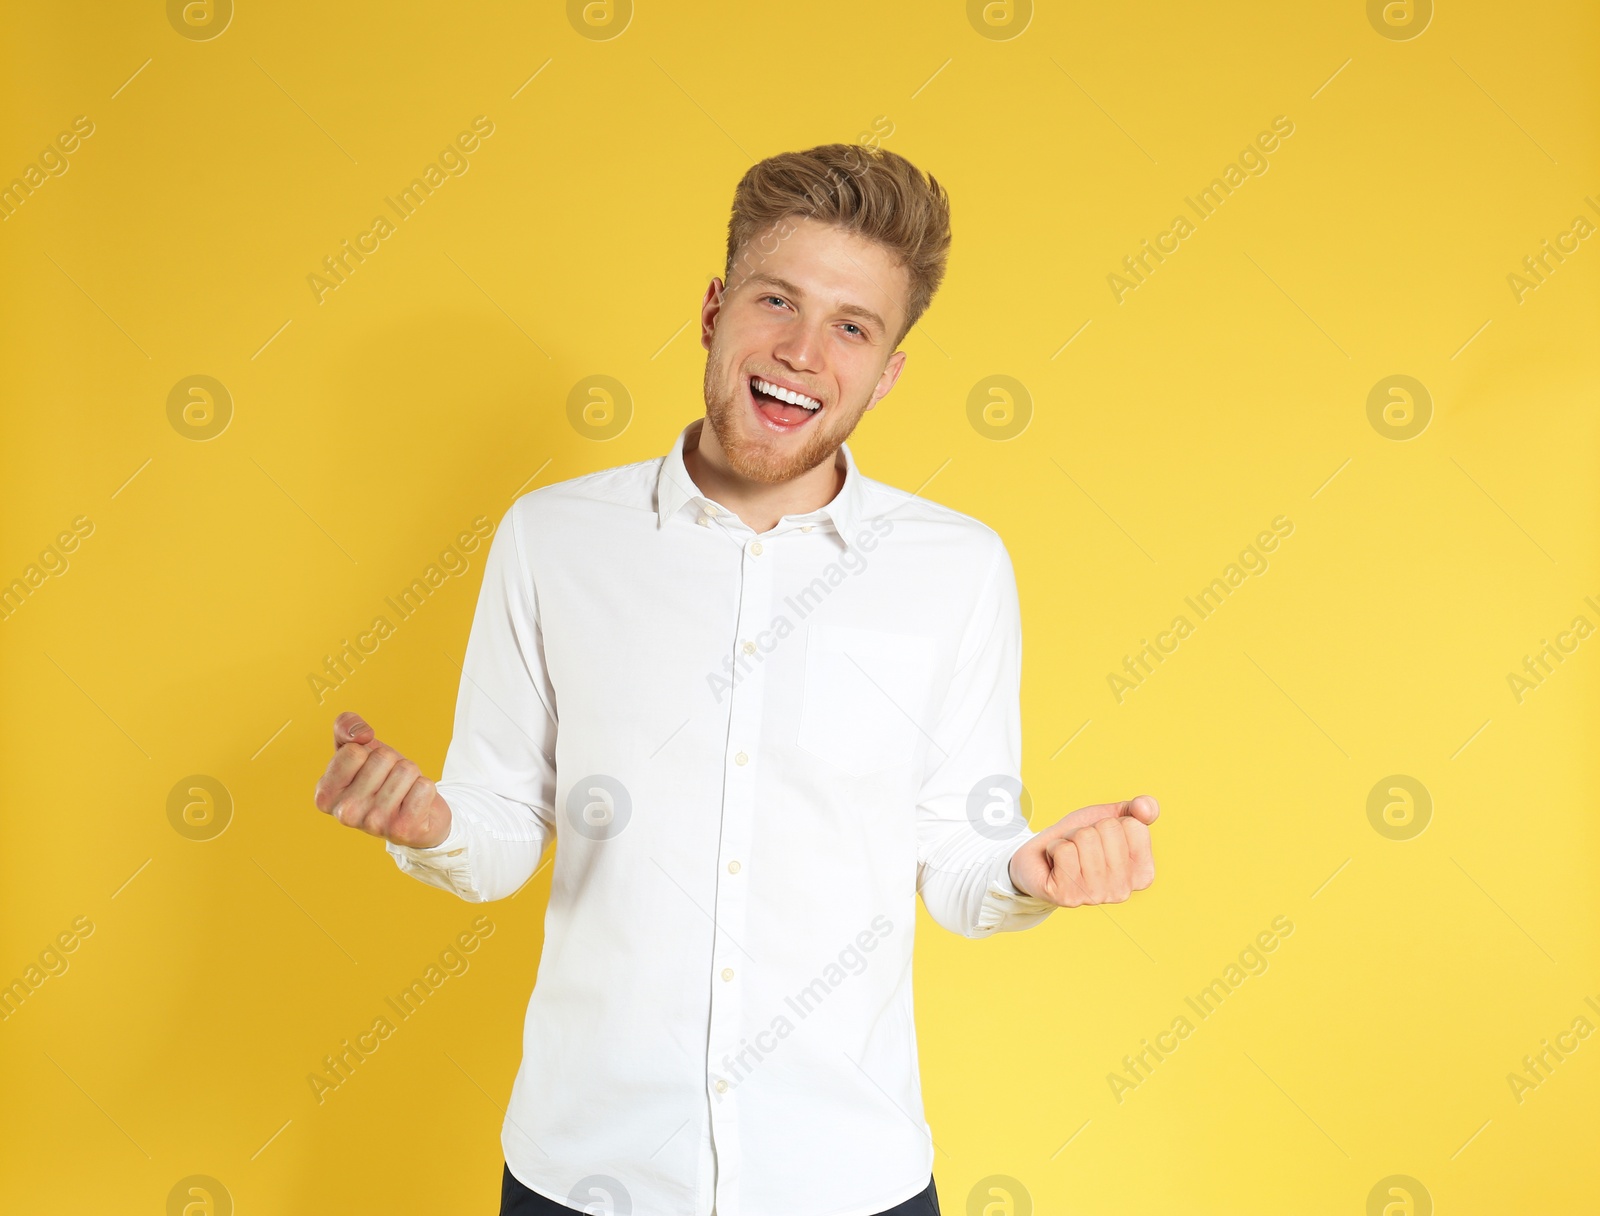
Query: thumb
[1143, 808]
[351, 728]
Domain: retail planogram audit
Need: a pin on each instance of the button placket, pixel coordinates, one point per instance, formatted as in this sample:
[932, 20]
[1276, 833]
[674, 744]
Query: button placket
[742, 756]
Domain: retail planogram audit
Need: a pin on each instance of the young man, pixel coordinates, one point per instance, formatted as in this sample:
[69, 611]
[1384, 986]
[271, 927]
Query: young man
[762, 701]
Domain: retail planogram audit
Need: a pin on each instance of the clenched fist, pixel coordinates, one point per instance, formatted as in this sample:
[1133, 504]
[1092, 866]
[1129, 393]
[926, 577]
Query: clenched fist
[1097, 855]
[371, 786]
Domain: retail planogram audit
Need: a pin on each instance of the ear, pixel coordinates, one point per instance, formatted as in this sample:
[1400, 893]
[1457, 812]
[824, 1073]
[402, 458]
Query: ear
[891, 373]
[710, 306]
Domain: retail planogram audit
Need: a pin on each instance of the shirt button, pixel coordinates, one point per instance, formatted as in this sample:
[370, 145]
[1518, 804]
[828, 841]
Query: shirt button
[755, 548]
[733, 867]
[749, 647]
[704, 521]
[722, 1087]
[741, 758]
[805, 527]
[727, 973]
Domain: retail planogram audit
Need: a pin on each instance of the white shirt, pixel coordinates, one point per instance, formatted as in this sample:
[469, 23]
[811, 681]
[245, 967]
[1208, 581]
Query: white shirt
[753, 750]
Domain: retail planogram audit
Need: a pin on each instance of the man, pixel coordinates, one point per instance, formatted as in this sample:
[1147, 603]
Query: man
[762, 701]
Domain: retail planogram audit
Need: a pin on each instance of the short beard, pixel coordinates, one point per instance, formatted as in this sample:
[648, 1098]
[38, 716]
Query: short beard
[756, 462]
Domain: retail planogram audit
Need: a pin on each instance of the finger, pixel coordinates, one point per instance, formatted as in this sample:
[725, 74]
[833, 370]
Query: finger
[346, 762]
[1141, 861]
[385, 802]
[415, 813]
[1065, 883]
[1092, 860]
[349, 727]
[1114, 844]
[352, 806]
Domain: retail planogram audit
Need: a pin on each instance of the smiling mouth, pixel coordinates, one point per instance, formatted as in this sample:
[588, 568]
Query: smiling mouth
[780, 408]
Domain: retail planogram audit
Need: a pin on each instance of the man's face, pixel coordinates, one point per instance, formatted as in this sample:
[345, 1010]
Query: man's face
[812, 309]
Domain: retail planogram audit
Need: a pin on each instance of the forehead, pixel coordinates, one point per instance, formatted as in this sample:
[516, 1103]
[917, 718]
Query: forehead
[828, 266]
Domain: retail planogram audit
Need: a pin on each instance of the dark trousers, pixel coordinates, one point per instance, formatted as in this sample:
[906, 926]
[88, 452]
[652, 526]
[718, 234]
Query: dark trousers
[518, 1200]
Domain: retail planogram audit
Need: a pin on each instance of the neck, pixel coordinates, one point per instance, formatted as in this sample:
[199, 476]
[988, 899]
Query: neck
[760, 504]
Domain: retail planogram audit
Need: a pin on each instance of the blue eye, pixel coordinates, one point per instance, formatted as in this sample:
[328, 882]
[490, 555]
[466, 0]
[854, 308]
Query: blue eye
[854, 327]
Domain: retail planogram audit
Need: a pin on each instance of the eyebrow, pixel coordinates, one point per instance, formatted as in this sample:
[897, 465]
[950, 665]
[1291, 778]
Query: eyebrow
[850, 310]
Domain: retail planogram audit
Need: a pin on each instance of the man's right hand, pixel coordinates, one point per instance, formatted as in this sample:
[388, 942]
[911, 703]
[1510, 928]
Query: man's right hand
[371, 786]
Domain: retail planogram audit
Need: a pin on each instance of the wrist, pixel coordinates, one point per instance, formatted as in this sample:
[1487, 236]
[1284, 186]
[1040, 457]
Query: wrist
[1011, 875]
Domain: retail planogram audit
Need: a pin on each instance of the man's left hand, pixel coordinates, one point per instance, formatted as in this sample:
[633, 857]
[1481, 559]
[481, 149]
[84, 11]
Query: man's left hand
[1097, 855]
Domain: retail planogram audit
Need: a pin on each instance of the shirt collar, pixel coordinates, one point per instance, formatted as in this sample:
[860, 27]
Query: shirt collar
[675, 489]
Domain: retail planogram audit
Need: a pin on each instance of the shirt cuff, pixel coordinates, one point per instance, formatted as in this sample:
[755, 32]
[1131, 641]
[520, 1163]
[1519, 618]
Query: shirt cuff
[1004, 907]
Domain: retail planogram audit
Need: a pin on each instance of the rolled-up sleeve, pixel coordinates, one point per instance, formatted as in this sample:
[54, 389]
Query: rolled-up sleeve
[969, 818]
[499, 771]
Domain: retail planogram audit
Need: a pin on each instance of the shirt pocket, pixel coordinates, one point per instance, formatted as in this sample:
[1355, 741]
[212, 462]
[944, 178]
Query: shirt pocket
[864, 704]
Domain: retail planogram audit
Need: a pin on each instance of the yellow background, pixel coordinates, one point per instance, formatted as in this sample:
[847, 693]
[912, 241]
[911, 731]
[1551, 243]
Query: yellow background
[431, 388]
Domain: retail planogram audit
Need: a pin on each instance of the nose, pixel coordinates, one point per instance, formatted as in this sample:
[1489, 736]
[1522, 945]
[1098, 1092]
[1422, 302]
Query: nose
[800, 348]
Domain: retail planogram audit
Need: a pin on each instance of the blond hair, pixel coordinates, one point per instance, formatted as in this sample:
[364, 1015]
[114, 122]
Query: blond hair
[869, 191]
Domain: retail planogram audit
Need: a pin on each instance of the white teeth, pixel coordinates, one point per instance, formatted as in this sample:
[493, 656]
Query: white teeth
[783, 394]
